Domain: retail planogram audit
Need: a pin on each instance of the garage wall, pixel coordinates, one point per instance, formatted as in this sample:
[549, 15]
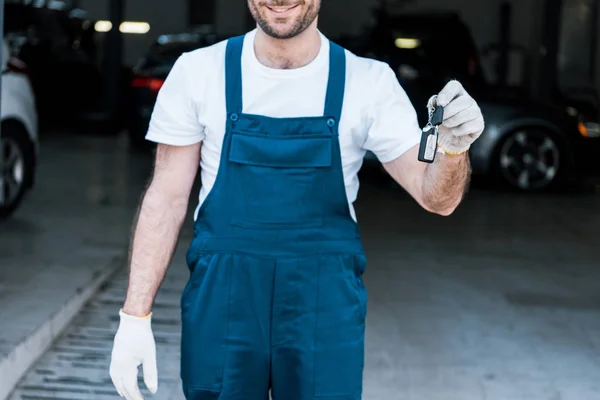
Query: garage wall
[337, 17]
[576, 40]
[163, 16]
[231, 16]
[348, 16]
[598, 54]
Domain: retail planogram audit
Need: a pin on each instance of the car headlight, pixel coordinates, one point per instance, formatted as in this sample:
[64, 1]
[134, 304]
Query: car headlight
[589, 129]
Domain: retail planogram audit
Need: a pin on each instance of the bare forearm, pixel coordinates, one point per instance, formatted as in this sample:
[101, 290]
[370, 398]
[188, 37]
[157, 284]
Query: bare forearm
[445, 183]
[440, 187]
[155, 237]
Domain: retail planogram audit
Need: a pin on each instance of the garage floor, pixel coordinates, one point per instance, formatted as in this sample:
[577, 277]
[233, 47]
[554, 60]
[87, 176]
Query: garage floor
[500, 301]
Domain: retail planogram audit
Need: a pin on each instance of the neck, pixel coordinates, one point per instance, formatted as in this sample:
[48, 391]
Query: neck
[290, 53]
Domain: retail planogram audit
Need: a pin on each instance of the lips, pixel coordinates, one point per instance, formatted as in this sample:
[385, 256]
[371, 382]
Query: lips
[282, 9]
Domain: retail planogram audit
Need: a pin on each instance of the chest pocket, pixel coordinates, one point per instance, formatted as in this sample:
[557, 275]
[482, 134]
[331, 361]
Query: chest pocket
[279, 179]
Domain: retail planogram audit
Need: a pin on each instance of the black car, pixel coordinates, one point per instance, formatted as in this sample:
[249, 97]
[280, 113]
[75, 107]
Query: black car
[150, 73]
[528, 145]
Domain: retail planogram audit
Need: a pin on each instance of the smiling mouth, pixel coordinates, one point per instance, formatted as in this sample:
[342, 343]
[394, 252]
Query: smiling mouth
[282, 9]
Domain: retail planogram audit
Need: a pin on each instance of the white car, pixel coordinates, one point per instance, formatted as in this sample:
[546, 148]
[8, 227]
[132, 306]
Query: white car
[18, 134]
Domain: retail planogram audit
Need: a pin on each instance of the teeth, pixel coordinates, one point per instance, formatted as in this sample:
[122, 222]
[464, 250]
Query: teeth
[281, 9]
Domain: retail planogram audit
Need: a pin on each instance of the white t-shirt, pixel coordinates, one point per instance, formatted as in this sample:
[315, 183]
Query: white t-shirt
[377, 114]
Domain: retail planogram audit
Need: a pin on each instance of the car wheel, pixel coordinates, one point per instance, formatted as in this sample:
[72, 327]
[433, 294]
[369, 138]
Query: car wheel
[17, 166]
[530, 160]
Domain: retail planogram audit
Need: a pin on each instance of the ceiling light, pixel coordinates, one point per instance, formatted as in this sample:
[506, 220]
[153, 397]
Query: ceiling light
[139, 28]
[135, 27]
[103, 26]
[407, 43]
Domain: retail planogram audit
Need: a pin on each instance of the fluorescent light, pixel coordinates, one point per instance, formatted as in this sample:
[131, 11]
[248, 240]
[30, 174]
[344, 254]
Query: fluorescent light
[407, 43]
[126, 27]
[135, 27]
[103, 26]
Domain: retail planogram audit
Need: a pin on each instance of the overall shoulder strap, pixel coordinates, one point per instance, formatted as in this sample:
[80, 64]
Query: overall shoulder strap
[233, 74]
[336, 86]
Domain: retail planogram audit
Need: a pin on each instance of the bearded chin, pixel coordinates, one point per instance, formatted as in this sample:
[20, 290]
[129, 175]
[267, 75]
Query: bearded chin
[290, 30]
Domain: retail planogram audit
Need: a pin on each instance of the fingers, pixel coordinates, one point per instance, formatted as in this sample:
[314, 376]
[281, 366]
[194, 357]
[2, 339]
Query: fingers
[456, 106]
[131, 391]
[124, 378]
[150, 371]
[452, 90]
[117, 383]
[115, 376]
[472, 127]
[463, 116]
[133, 346]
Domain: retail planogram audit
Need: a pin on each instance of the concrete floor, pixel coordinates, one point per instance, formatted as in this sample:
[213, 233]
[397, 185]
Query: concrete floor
[498, 302]
[70, 231]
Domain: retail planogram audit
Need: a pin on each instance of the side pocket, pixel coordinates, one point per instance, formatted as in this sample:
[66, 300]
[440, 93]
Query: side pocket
[198, 267]
[205, 324]
[361, 291]
[339, 342]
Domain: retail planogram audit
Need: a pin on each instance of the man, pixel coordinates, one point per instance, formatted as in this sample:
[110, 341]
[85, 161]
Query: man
[279, 120]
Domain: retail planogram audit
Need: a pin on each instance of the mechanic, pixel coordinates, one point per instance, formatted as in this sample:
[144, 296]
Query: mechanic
[279, 120]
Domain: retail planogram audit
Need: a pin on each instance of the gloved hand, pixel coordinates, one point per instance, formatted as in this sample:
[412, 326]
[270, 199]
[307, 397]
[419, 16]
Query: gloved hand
[463, 120]
[133, 346]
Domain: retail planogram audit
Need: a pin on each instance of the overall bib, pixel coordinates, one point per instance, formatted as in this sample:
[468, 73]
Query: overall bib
[275, 300]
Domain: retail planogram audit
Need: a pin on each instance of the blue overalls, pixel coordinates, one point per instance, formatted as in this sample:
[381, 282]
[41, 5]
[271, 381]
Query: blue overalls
[275, 299]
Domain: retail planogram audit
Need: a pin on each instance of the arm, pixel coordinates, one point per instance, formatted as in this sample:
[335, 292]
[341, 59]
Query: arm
[438, 187]
[175, 128]
[179, 135]
[158, 223]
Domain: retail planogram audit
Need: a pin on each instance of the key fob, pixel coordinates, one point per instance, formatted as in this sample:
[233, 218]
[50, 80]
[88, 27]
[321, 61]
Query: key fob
[438, 116]
[428, 146]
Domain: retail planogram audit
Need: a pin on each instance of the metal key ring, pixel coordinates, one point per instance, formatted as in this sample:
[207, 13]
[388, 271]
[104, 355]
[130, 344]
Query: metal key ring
[431, 105]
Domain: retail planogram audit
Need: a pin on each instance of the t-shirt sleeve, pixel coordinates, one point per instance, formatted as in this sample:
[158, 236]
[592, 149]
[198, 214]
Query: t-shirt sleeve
[174, 119]
[393, 123]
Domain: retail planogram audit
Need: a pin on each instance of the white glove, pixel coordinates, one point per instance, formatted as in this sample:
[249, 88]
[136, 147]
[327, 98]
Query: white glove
[463, 120]
[133, 346]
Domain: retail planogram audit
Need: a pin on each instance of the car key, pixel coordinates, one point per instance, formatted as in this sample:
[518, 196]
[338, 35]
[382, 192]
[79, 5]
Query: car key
[437, 117]
[428, 144]
[429, 137]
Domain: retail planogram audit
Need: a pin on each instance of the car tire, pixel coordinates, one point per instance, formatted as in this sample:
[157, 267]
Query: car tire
[17, 166]
[531, 160]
